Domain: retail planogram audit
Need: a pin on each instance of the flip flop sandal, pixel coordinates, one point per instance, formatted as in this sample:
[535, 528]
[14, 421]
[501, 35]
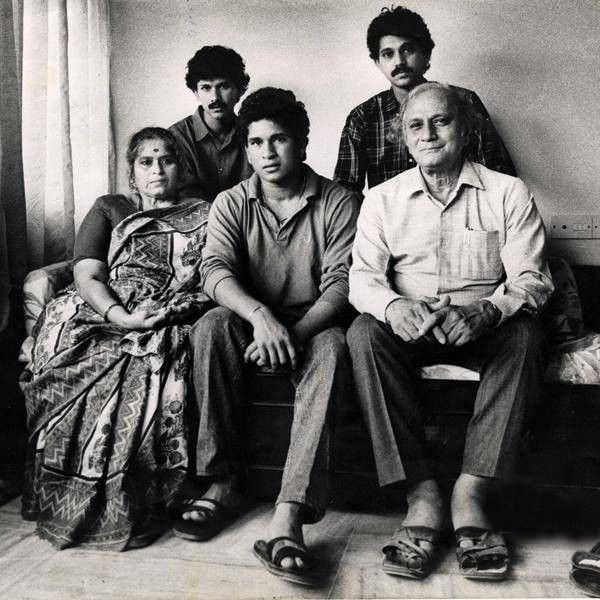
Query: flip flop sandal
[487, 558]
[216, 515]
[403, 549]
[273, 552]
[585, 574]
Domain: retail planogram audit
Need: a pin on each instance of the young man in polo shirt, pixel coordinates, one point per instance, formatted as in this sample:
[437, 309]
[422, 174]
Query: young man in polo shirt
[276, 261]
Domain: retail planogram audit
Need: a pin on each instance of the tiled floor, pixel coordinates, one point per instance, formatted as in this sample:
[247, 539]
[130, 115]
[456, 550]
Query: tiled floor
[226, 569]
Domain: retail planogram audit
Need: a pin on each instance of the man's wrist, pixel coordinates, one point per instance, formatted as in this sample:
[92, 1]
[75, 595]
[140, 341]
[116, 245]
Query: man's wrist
[386, 312]
[493, 315]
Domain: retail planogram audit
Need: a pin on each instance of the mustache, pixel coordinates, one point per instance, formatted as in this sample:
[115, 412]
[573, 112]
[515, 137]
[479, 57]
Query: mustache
[398, 70]
[216, 104]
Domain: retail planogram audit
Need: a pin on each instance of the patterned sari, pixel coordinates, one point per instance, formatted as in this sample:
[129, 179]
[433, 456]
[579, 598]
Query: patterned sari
[106, 406]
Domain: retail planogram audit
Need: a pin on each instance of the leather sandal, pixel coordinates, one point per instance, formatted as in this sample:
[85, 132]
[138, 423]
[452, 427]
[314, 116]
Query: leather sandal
[216, 515]
[487, 557]
[585, 574]
[272, 553]
[404, 557]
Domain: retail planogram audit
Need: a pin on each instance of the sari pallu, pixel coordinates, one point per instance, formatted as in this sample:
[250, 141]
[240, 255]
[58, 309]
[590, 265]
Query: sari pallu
[106, 406]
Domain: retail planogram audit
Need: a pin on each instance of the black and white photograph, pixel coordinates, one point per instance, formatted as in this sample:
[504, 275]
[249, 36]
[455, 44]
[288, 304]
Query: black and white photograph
[299, 299]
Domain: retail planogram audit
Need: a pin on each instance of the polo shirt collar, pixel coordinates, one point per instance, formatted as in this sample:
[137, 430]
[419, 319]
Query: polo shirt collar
[201, 131]
[311, 188]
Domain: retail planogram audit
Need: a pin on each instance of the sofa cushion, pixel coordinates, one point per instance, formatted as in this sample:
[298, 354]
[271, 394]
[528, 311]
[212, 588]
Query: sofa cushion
[573, 362]
[39, 287]
[563, 315]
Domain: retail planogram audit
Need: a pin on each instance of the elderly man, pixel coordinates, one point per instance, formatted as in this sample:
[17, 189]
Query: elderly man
[448, 260]
[213, 155]
[276, 260]
[400, 45]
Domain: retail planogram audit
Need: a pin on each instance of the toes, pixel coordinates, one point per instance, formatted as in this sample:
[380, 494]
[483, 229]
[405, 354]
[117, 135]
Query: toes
[414, 562]
[293, 564]
[193, 516]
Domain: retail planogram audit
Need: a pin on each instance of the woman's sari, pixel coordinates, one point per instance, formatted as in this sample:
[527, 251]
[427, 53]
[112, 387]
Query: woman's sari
[106, 406]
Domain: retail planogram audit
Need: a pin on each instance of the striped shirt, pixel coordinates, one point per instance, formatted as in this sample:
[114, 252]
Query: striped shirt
[366, 150]
[487, 242]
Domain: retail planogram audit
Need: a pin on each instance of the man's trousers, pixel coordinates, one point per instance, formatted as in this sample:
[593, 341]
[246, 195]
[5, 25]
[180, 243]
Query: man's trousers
[385, 371]
[219, 340]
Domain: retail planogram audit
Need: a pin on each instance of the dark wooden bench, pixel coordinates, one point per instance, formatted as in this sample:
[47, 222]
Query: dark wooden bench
[559, 478]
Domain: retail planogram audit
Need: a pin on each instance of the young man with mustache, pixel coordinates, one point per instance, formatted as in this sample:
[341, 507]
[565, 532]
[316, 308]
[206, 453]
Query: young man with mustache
[213, 154]
[400, 44]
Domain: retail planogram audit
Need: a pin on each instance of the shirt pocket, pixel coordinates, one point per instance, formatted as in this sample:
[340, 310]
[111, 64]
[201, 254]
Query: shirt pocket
[483, 254]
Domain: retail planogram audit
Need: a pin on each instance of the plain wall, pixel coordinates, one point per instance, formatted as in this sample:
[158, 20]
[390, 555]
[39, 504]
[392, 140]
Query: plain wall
[535, 65]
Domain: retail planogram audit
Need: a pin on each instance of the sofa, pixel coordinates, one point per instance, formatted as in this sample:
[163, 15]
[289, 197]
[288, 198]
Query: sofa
[561, 462]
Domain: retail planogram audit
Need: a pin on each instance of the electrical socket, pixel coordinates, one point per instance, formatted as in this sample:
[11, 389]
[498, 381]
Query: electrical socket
[573, 227]
[596, 226]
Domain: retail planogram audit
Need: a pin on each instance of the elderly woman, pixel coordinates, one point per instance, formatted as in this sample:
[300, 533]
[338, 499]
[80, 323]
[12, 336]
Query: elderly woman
[448, 261]
[106, 387]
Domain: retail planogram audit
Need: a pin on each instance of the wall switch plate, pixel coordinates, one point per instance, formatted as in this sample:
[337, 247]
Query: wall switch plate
[596, 226]
[573, 227]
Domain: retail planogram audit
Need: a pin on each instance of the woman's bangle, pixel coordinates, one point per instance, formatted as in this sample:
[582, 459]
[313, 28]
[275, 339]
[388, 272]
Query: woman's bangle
[109, 308]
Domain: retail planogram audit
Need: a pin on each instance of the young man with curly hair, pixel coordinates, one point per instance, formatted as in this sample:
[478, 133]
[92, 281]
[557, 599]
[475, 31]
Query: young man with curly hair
[400, 44]
[276, 260]
[212, 151]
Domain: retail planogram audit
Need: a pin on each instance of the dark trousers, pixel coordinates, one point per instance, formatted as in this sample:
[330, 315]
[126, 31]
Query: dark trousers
[219, 340]
[511, 371]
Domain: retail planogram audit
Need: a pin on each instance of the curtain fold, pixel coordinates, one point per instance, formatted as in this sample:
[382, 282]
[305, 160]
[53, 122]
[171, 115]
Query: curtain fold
[13, 246]
[68, 148]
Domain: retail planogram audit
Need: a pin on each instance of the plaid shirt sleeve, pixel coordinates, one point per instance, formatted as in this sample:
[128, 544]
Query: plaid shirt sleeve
[490, 150]
[351, 164]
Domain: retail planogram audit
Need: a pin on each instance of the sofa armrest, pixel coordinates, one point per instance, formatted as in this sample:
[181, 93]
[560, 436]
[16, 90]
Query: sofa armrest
[39, 287]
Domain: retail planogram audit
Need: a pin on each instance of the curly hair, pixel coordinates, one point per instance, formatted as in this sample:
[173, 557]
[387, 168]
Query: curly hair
[402, 22]
[215, 62]
[276, 105]
[151, 133]
[469, 118]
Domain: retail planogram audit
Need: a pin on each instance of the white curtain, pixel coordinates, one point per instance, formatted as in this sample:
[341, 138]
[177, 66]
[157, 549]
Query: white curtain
[68, 148]
[13, 246]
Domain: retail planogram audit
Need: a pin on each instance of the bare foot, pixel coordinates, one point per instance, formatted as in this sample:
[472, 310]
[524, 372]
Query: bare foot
[425, 509]
[468, 502]
[287, 522]
[226, 492]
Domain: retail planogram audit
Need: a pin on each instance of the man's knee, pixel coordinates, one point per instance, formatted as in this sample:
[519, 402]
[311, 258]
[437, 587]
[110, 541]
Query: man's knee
[523, 334]
[363, 331]
[214, 326]
[328, 348]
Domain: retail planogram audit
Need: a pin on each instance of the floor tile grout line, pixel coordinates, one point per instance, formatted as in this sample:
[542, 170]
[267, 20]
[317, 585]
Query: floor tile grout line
[332, 586]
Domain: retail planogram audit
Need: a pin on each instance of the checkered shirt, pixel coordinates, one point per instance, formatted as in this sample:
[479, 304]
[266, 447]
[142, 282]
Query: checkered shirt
[366, 150]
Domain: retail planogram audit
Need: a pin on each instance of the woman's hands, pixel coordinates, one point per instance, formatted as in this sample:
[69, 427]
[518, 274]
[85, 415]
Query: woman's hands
[138, 320]
[146, 319]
